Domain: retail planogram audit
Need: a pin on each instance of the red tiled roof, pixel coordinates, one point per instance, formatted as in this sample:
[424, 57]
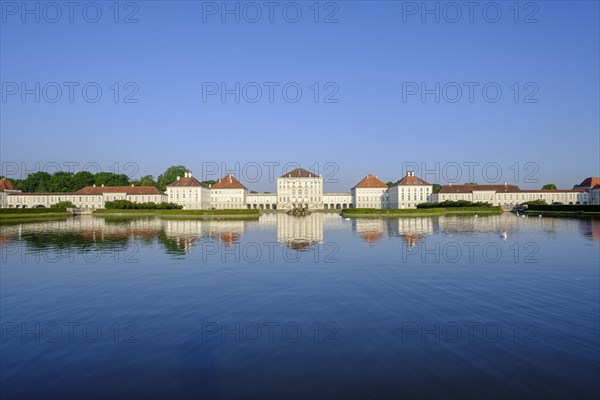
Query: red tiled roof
[589, 182]
[5, 184]
[370, 182]
[471, 188]
[410, 179]
[40, 193]
[299, 173]
[553, 191]
[187, 181]
[228, 182]
[129, 190]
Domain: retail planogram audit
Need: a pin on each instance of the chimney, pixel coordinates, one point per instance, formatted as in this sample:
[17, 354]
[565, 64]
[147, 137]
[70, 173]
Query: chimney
[94, 185]
[178, 177]
[132, 185]
[103, 185]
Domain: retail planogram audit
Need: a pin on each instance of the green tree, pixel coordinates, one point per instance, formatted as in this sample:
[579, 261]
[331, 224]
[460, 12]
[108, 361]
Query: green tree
[549, 186]
[390, 183]
[35, 182]
[81, 180]
[436, 186]
[111, 179]
[146, 180]
[60, 181]
[170, 176]
[209, 182]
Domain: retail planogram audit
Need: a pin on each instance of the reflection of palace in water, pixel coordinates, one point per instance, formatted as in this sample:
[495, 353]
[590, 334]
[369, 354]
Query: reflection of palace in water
[409, 229]
[298, 233]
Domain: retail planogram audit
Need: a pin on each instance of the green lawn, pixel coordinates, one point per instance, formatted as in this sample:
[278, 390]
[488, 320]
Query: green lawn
[29, 213]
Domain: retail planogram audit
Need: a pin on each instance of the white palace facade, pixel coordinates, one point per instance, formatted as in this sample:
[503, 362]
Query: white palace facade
[301, 188]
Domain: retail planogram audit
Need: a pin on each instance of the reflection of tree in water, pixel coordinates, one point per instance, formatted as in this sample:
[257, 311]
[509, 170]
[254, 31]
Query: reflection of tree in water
[71, 240]
[590, 228]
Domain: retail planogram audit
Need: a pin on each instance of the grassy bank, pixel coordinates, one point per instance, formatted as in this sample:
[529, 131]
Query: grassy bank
[422, 212]
[31, 213]
[565, 210]
[577, 214]
[212, 214]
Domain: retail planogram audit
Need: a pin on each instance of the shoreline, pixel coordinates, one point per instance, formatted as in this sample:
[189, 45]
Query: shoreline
[426, 212]
[571, 214]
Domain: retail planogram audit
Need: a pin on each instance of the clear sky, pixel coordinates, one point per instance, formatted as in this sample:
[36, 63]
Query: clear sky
[369, 72]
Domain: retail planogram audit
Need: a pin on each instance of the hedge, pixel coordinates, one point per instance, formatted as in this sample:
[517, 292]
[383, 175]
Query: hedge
[31, 210]
[457, 203]
[130, 205]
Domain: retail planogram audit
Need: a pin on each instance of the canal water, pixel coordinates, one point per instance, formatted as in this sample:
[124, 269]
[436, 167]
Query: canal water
[293, 307]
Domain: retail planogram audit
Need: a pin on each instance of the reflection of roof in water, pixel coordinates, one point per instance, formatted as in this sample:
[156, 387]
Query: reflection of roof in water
[6, 239]
[301, 244]
[595, 229]
[371, 237]
[411, 238]
[229, 238]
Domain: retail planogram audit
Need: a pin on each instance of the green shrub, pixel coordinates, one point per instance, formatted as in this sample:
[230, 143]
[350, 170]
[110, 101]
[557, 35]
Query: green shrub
[130, 205]
[457, 203]
[63, 204]
[536, 203]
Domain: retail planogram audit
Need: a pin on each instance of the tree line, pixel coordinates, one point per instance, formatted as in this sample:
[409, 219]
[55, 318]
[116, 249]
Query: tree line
[71, 182]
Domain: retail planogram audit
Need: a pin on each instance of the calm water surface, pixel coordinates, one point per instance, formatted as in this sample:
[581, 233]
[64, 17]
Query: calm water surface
[289, 307]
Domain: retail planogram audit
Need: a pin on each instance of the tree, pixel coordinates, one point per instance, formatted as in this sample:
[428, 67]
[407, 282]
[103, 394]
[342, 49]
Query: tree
[81, 180]
[549, 186]
[35, 182]
[111, 179]
[146, 180]
[209, 182]
[390, 183]
[60, 181]
[170, 176]
[436, 186]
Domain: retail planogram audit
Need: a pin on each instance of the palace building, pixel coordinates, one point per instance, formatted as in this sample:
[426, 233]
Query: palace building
[189, 192]
[508, 196]
[301, 188]
[90, 197]
[370, 193]
[409, 191]
[228, 193]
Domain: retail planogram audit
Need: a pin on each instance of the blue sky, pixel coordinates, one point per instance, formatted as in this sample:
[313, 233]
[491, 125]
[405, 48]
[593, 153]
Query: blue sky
[371, 61]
